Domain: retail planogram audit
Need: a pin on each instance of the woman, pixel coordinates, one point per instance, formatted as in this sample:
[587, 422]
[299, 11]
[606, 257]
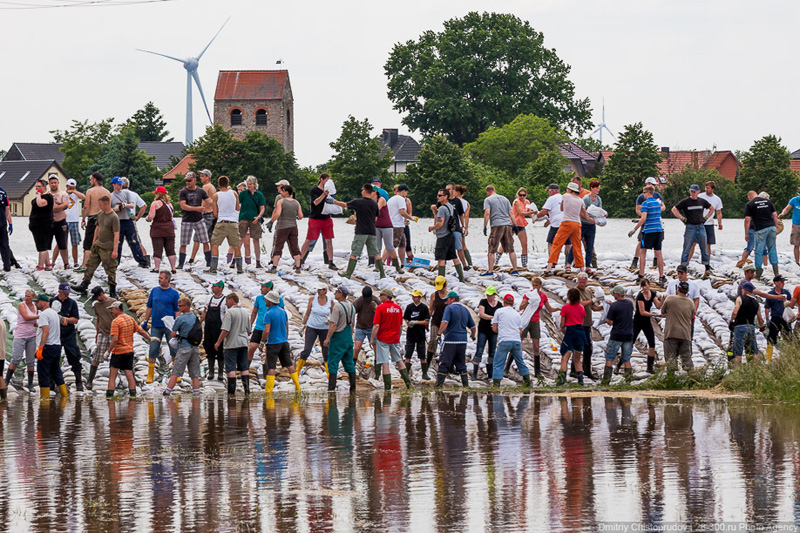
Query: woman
[287, 212]
[407, 231]
[573, 209]
[162, 229]
[384, 232]
[252, 204]
[25, 338]
[463, 254]
[588, 227]
[642, 322]
[486, 310]
[436, 304]
[41, 224]
[572, 315]
[523, 208]
[316, 319]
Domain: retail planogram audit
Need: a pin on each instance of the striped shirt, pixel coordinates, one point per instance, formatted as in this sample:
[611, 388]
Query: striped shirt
[652, 207]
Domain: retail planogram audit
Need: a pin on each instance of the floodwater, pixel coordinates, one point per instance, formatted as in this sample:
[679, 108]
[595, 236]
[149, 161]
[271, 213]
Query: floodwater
[451, 461]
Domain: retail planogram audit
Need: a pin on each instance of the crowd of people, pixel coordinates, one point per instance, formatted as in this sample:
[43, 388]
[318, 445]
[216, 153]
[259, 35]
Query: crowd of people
[437, 330]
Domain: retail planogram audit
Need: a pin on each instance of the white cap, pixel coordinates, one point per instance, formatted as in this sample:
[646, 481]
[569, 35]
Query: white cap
[651, 181]
[321, 287]
[72, 183]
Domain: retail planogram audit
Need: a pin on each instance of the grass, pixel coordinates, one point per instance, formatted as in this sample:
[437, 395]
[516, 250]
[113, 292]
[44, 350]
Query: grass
[778, 380]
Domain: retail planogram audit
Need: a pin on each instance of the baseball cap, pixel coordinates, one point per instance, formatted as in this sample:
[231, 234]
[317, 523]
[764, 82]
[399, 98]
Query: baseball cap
[343, 289]
[553, 187]
[417, 293]
[376, 180]
[97, 290]
[778, 278]
[452, 294]
[72, 183]
[64, 287]
[403, 187]
[682, 268]
[683, 286]
[321, 287]
[508, 298]
[267, 284]
[387, 293]
[115, 305]
[490, 290]
[273, 298]
[439, 282]
[573, 187]
[42, 297]
[747, 286]
[206, 172]
[651, 181]
[749, 268]
[618, 289]
[282, 183]
[160, 189]
[220, 283]
[694, 187]
[116, 180]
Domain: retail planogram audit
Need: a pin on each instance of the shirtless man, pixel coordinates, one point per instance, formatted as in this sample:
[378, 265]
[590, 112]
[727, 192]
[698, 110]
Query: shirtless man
[60, 231]
[209, 213]
[91, 206]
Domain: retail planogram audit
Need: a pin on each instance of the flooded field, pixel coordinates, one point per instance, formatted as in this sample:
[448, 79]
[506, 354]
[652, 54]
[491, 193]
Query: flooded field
[452, 461]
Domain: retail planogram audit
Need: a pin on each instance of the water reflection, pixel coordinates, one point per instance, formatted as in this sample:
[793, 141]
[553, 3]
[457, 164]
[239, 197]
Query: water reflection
[429, 462]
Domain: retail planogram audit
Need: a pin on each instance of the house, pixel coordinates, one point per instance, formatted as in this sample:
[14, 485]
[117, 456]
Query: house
[180, 169]
[724, 162]
[162, 151]
[256, 100]
[579, 161]
[18, 177]
[405, 149]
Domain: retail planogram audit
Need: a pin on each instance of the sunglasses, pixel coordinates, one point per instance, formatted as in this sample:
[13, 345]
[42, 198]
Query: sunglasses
[522, 195]
[441, 195]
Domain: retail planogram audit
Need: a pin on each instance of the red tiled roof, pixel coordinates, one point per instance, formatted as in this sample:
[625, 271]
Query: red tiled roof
[181, 168]
[717, 158]
[677, 160]
[251, 84]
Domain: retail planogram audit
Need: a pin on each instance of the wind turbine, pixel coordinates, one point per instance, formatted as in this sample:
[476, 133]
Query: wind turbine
[191, 64]
[602, 126]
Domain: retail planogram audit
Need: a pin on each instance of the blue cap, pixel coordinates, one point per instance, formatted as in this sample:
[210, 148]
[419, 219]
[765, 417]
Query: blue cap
[747, 286]
[376, 180]
[116, 180]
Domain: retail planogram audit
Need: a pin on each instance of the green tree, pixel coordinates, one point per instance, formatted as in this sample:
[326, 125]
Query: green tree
[516, 145]
[591, 144]
[440, 162]
[635, 158]
[731, 194]
[122, 157]
[357, 158]
[481, 71]
[149, 124]
[766, 167]
[83, 144]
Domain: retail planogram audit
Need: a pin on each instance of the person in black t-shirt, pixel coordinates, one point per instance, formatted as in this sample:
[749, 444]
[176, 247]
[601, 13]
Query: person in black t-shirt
[366, 210]
[192, 201]
[620, 316]
[417, 317]
[742, 324]
[690, 211]
[319, 223]
[486, 335]
[760, 215]
[40, 223]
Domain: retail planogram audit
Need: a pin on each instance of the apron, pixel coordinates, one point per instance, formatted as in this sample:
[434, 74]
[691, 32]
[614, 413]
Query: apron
[213, 319]
[340, 347]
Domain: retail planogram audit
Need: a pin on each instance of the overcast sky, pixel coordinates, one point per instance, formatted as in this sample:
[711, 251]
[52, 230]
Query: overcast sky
[697, 74]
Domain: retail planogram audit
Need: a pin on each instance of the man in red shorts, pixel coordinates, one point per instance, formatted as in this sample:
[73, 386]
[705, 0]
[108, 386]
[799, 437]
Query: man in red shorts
[319, 222]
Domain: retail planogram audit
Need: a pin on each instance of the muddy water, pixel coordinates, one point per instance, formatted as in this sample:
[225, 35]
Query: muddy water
[447, 462]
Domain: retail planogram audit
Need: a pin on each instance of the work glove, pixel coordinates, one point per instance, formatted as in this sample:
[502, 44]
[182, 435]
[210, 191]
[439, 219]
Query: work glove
[269, 226]
[415, 219]
[144, 325]
[39, 351]
[730, 326]
[631, 232]
[63, 320]
[484, 231]
[10, 229]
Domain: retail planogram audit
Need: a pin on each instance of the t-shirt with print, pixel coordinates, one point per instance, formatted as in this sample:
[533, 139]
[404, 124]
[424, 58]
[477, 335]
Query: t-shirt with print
[499, 208]
[74, 210]
[693, 210]
[573, 314]
[760, 212]
[553, 206]
[195, 199]
[417, 313]
[542, 302]
[389, 317]
[366, 210]
[715, 201]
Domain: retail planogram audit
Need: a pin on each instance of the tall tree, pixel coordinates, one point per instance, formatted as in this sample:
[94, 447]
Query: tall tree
[766, 167]
[731, 194]
[83, 144]
[122, 157]
[635, 158]
[481, 71]
[440, 162]
[149, 124]
[357, 159]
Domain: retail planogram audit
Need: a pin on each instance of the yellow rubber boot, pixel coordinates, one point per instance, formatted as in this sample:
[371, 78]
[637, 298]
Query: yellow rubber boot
[270, 383]
[300, 364]
[44, 393]
[327, 374]
[270, 402]
[769, 352]
[296, 378]
[62, 390]
[151, 368]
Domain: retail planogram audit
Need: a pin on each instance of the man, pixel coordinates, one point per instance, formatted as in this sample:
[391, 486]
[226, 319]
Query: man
[463, 208]
[161, 303]
[417, 317]
[497, 211]
[233, 338]
[60, 228]
[693, 293]
[105, 243]
[716, 202]
[552, 211]
[122, 202]
[6, 229]
[773, 314]
[750, 239]
[91, 206]
[742, 324]
[67, 309]
[276, 336]
[193, 201]
[252, 205]
[365, 306]
[209, 216]
[377, 186]
[639, 201]
[652, 234]
[141, 205]
[212, 317]
[48, 352]
[690, 211]
[507, 323]
[445, 226]
[579, 182]
[437, 304]
[339, 340]
[188, 355]
[366, 210]
[620, 318]
[399, 214]
[319, 223]
[678, 311]
[73, 218]
[750, 274]
[385, 339]
[121, 346]
[101, 305]
[759, 213]
[794, 237]
[589, 305]
[226, 225]
[455, 323]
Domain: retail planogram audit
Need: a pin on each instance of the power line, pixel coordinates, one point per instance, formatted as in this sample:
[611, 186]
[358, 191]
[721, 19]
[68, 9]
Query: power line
[43, 4]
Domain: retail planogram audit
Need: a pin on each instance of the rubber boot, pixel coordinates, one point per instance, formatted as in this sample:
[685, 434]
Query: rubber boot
[3, 393]
[607, 372]
[296, 380]
[440, 377]
[618, 368]
[78, 380]
[496, 382]
[239, 268]
[378, 371]
[300, 364]
[580, 378]
[246, 385]
[628, 375]
[442, 271]
[387, 381]
[80, 287]
[465, 380]
[650, 362]
[326, 369]
[379, 264]
[44, 393]
[396, 264]
[775, 270]
[537, 366]
[352, 377]
[526, 380]
[232, 386]
[587, 366]
[30, 380]
[210, 373]
[351, 266]
[460, 272]
[406, 378]
[147, 261]
[759, 271]
[331, 382]
[562, 378]
[468, 257]
[9, 375]
[207, 256]
[635, 262]
[270, 384]
[213, 266]
[507, 368]
[770, 348]
[112, 290]
[151, 368]
[475, 371]
[181, 260]
[425, 367]
[370, 261]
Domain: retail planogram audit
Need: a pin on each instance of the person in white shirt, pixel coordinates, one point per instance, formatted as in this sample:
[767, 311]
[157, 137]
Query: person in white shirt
[716, 202]
[398, 212]
[226, 211]
[507, 323]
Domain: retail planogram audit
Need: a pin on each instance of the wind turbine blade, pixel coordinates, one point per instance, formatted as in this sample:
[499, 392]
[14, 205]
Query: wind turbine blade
[608, 130]
[595, 131]
[202, 96]
[212, 40]
[162, 55]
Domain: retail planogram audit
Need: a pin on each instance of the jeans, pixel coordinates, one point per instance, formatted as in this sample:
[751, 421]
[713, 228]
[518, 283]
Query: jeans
[765, 244]
[483, 339]
[614, 346]
[694, 233]
[744, 335]
[127, 232]
[751, 241]
[503, 350]
[157, 333]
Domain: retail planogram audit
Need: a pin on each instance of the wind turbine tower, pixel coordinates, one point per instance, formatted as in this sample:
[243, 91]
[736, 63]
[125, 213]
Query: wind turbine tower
[602, 126]
[191, 64]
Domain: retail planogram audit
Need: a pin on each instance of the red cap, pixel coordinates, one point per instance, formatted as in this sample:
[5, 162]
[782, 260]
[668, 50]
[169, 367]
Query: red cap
[508, 297]
[160, 189]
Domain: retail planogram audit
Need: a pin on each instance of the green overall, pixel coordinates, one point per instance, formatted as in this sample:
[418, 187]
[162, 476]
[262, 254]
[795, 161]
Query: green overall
[340, 347]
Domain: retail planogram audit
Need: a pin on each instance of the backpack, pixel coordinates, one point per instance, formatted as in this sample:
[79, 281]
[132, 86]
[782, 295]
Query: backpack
[195, 336]
[452, 222]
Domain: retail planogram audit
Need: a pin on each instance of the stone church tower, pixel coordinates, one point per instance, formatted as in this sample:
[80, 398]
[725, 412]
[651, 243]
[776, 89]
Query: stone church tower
[256, 100]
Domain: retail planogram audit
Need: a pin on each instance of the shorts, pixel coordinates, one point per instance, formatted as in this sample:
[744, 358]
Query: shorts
[710, 236]
[253, 226]
[501, 236]
[255, 337]
[614, 347]
[282, 352]
[751, 241]
[652, 241]
[516, 230]
[284, 236]
[385, 237]
[199, 229]
[532, 330]
[551, 236]
[574, 339]
[399, 237]
[24, 347]
[122, 361]
[794, 237]
[42, 236]
[236, 359]
[60, 233]
[225, 229]
[459, 238]
[359, 241]
[445, 248]
[74, 233]
[362, 335]
[317, 226]
[187, 356]
[385, 351]
[102, 342]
